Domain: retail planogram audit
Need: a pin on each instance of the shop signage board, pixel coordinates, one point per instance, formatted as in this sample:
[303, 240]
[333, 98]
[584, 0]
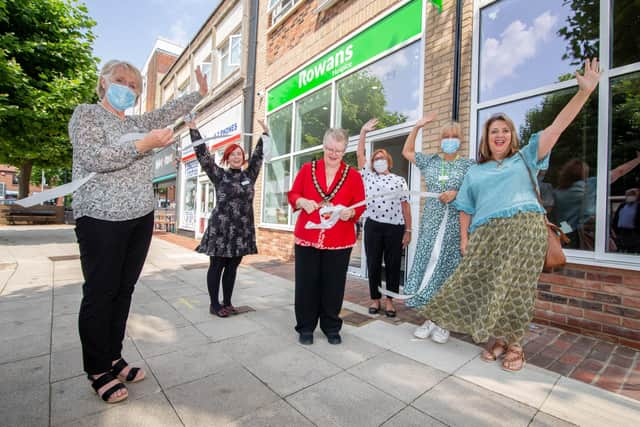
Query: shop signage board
[395, 29]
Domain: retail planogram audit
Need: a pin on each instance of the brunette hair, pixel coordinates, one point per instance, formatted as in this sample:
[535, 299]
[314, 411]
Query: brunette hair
[484, 153]
[572, 171]
[227, 152]
[386, 155]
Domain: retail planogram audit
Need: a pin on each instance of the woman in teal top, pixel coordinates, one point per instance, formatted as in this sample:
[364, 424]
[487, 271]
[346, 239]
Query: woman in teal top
[503, 238]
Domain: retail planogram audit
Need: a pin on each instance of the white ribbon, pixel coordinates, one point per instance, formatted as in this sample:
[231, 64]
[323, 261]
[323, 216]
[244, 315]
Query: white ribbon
[433, 258]
[213, 138]
[72, 186]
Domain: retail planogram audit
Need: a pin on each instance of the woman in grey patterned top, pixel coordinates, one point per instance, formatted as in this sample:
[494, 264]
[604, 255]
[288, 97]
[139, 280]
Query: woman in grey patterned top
[114, 214]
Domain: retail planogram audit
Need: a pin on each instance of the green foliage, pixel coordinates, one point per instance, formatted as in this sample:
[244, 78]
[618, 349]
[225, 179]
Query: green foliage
[46, 69]
[582, 31]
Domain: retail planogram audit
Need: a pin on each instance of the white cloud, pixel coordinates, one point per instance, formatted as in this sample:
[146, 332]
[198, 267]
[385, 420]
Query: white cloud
[388, 65]
[517, 44]
[178, 33]
[493, 15]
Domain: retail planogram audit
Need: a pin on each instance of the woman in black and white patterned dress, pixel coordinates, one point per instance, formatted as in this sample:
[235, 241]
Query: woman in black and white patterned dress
[231, 232]
[387, 230]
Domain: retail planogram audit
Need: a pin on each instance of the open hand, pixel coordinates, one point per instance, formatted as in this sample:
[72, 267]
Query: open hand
[369, 126]
[203, 86]
[429, 117]
[589, 79]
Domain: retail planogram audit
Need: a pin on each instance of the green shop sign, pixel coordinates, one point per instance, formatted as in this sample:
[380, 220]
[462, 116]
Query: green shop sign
[390, 31]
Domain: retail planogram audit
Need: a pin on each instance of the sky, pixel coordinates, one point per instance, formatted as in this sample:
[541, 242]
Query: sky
[128, 29]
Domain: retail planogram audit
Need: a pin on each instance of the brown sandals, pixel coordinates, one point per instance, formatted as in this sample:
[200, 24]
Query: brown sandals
[514, 360]
[498, 349]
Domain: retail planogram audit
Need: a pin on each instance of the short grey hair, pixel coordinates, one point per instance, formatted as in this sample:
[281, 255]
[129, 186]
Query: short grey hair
[109, 67]
[336, 134]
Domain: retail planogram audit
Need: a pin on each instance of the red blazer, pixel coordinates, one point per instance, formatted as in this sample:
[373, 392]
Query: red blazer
[343, 234]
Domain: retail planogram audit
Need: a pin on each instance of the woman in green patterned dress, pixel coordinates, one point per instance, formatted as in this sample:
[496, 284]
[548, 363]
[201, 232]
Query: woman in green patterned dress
[503, 237]
[438, 250]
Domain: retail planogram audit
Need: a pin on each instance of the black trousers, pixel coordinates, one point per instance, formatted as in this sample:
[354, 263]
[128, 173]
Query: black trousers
[383, 241]
[112, 254]
[319, 290]
[225, 267]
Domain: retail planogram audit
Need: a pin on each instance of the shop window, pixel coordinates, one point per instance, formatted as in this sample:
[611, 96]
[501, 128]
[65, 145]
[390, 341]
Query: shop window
[626, 37]
[623, 200]
[276, 183]
[2, 190]
[15, 179]
[280, 127]
[207, 69]
[230, 55]
[568, 187]
[388, 89]
[529, 44]
[313, 118]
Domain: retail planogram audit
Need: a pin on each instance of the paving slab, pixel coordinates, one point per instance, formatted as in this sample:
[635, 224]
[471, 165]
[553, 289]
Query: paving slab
[278, 414]
[351, 352]
[157, 315]
[189, 364]
[345, 400]
[151, 342]
[73, 398]
[153, 410]
[530, 386]
[25, 407]
[64, 333]
[220, 399]
[403, 378]
[24, 347]
[456, 402]
[24, 374]
[585, 405]
[545, 420]
[411, 417]
[218, 328]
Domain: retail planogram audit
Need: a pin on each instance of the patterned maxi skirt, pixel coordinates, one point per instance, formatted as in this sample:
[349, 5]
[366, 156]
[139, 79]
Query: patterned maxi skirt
[494, 288]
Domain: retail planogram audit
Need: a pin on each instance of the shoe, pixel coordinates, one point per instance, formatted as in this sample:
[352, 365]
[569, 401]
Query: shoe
[220, 311]
[103, 380]
[424, 331]
[132, 377]
[514, 360]
[440, 335]
[305, 339]
[374, 310]
[334, 339]
[498, 349]
[230, 309]
[390, 313]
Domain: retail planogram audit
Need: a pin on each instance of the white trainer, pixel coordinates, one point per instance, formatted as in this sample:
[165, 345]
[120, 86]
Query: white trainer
[440, 335]
[425, 331]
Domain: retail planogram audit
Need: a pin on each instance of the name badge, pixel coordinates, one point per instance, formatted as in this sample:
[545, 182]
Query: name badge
[443, 178]
[245, 182]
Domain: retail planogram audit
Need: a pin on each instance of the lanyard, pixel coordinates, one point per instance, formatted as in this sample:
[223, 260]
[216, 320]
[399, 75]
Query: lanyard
[444, 171]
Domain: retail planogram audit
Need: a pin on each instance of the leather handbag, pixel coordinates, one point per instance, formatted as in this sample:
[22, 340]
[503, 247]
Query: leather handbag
[555, 236]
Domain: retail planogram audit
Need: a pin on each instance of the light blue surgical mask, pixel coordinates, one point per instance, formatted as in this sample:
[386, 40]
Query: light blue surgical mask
[450, 145]
[120, 97]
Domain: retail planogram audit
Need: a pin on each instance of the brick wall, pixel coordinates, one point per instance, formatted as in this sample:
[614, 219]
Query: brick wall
[596, 301]
[275, 243]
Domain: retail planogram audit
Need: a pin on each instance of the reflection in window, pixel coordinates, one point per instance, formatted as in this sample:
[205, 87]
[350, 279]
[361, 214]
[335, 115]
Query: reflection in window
[626, 37]
[276, 183]
[528, 44]
[624, 176]
[569, 186]
[387, 89]
[312, 118]
[280, 127]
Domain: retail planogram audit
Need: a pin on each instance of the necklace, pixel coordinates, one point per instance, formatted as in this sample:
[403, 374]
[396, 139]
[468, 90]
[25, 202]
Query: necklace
[326, 198]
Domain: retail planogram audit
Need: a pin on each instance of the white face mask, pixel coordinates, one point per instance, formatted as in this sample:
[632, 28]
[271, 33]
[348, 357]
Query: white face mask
[380, 165]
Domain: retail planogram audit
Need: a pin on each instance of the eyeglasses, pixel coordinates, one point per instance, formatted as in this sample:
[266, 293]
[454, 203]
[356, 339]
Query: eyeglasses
[334, 151]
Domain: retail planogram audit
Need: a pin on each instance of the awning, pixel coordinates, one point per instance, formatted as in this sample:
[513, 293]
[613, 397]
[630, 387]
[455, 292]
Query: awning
[164, 178]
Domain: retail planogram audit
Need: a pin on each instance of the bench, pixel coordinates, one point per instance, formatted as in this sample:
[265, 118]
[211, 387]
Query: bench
[15, 215]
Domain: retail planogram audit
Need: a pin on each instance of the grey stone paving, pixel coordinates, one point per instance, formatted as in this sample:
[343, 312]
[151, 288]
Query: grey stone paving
[249, 370]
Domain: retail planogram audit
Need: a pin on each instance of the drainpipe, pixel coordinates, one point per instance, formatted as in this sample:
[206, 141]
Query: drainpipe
[250, 78]
[456, 62]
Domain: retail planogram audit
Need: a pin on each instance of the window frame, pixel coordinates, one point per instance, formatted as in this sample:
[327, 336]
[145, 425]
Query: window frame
[224, 54]
[599, 257]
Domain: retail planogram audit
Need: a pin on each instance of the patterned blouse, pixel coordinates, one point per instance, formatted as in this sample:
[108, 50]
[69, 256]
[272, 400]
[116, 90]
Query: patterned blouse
[231, 231]
[122, 189]
[387, 210]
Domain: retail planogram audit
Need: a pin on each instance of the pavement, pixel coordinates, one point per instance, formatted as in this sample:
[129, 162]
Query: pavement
[249, 370]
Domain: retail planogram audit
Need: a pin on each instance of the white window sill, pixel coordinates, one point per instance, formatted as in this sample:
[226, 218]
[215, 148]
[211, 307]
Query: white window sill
[278, 227]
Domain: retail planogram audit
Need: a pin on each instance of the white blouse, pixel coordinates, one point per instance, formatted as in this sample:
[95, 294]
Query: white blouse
[384, 209]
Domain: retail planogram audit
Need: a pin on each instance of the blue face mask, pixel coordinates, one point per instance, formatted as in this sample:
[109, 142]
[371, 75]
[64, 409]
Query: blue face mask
[450, 145]
[120, 97]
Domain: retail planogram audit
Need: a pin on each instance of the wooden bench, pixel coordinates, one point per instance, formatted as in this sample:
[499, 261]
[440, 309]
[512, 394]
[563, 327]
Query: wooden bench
[15, 215]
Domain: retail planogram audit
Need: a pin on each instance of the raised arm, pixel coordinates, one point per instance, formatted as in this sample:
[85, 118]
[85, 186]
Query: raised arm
[624, 169]
[409, 149]
[207, 162]
[587, 82]
[367, 127]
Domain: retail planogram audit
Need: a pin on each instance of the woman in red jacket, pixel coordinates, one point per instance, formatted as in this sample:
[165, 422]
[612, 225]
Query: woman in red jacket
[322, 254]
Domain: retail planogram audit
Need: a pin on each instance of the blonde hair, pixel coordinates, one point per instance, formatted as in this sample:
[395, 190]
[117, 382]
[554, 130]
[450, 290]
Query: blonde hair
[386, 155]
[451, 126]
[485, 151]
[108, 69]
[340, 135]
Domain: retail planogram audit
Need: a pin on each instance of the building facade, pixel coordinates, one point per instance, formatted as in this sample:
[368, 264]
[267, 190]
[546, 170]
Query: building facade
[339, 63]
[219, 49]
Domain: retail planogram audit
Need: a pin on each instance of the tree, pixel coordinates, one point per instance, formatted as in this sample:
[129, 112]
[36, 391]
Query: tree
[46, 69]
